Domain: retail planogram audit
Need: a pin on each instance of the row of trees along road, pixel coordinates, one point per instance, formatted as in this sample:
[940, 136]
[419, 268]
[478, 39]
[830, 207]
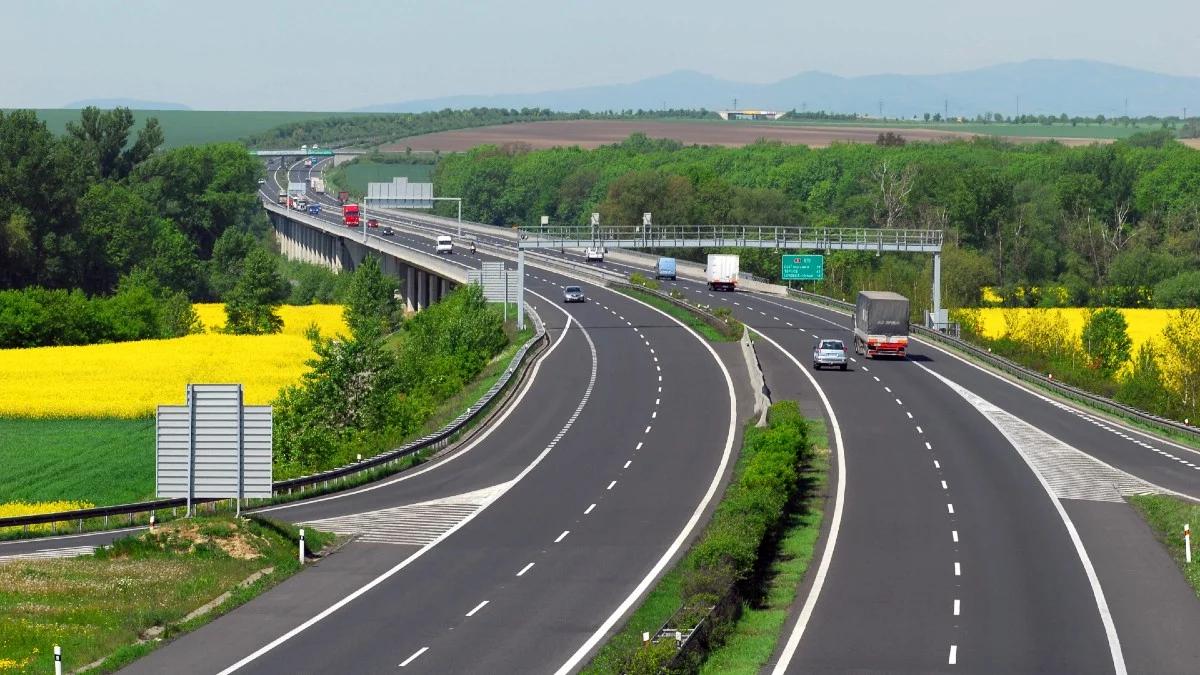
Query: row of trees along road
[1114, 224]
[100, 208]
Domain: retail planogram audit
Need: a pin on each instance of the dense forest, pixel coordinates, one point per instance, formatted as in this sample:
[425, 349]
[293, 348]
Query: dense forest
[1105, 224]
[104, 237]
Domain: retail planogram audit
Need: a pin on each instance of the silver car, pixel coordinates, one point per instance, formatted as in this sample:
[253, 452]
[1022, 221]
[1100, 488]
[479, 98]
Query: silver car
[829, 353]
[573, 294]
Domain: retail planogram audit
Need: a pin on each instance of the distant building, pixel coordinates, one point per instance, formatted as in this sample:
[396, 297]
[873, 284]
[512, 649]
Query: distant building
[750, 114]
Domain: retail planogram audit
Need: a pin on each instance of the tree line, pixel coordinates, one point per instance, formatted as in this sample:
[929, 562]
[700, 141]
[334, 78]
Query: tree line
[1110, 224]
[373, 129]
[105, 237]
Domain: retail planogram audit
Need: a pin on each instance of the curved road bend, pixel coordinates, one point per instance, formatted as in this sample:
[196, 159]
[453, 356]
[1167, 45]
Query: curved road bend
[615, 469]
[1036, 578]
[1035, 575]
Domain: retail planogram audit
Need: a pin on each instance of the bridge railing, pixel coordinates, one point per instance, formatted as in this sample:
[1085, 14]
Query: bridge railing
[754, 236]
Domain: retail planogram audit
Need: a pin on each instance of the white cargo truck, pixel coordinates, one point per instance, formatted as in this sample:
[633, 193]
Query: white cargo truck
[721, 272]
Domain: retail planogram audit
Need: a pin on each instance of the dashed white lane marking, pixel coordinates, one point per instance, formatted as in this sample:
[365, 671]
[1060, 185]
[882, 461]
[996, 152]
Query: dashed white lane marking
[928, 446]
[957, 607]
[907, 413]
[411, 524]
[639, 446]
[899, 402]
[68, 552]
[610, 485]
[950, 509]
[954, 535]
[944, 486]
[657, 400]
[654, 414]
[477, 608]
[874, 376]
[937, 465]
[919, 430]
[647, 430]
[627, 464]
[525, 569]
[953, 654]
[867, 370]
[789, 323]
[412, 658]
[589, 509]
[562, 536]
[887, 389]
[957, 569]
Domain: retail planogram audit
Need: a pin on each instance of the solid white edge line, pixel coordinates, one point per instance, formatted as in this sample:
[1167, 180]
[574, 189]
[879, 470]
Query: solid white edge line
[810, 602]
[428, 547]
[1110, 628]
[575, 659]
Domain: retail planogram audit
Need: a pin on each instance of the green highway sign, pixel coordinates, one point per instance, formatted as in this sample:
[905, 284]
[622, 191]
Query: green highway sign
[803, 267]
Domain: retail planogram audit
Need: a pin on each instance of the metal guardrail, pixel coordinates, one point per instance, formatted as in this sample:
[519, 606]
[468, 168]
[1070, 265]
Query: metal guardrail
[1026, 374]
[435, 441]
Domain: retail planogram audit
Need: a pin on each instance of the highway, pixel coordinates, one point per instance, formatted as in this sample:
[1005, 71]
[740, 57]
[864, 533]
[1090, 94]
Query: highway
[549, 524]
[968, 541]
[973, 525]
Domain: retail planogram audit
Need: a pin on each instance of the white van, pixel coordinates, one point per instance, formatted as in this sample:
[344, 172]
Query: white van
[445, 245]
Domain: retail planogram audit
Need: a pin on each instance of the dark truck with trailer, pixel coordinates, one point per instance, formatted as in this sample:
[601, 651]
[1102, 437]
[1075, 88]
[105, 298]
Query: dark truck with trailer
[880, 324]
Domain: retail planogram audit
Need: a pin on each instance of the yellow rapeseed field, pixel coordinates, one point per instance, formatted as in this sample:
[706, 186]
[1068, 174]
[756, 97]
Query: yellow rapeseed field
[1144, 324]
[30, 508]
[129, 379]
[296, 318]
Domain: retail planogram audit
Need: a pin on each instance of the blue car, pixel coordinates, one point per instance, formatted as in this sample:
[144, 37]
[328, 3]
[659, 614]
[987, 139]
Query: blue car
[314, 209]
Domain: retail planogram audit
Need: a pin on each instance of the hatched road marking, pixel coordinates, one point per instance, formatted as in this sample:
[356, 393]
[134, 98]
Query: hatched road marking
[69, 552]
[411, 524]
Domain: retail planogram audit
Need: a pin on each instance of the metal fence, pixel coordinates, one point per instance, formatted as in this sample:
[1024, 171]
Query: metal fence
[318, 481]
[746, 236]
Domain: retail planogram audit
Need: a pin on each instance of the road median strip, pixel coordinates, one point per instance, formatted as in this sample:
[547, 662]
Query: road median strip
[728, 570]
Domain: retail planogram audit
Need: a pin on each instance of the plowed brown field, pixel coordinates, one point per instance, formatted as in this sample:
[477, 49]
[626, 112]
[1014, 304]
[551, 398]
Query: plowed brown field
[594, 133]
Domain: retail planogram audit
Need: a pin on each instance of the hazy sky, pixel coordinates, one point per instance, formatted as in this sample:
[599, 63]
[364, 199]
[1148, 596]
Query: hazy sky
[342, 54]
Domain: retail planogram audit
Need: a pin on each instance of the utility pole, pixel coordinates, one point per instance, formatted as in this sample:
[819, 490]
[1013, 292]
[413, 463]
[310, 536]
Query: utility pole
[1018, 107]
[880, 108]
[735, 103]
[946, 109]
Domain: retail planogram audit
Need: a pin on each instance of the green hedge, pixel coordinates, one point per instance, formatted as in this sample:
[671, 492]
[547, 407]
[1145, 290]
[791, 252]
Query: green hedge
[726, 557]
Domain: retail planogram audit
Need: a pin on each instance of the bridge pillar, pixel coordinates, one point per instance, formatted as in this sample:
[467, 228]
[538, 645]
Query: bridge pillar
[444, 288]
[410, 287]
[422, 290]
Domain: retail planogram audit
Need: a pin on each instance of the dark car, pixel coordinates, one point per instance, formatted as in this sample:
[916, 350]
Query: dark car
[373, 222]
[573, 294]
[387, 231]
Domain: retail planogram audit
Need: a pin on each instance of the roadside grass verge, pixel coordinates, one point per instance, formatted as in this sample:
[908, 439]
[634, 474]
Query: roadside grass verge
[1166, 516]
[773, 478]
[101, 461]
[98, 606]
[756, 633]
[690, 319]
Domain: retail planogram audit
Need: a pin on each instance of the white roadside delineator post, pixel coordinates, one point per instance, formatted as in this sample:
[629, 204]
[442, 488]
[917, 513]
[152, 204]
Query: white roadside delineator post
[302, 546]
[1187, 542]
[57, 660]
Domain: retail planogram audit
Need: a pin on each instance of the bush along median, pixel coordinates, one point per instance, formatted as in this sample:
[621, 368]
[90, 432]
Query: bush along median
[717, 325]
[696, 606]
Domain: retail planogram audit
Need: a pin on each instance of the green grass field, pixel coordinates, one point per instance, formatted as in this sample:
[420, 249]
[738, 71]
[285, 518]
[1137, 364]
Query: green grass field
[354, 177]
[191, 127]
[102, 461]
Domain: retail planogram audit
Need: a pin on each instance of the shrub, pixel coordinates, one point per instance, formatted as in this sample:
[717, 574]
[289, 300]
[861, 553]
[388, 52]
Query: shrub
[1106, 340]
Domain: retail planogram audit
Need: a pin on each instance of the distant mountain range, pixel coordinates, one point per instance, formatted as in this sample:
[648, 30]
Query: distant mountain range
[136, 104]
[1074, 87]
